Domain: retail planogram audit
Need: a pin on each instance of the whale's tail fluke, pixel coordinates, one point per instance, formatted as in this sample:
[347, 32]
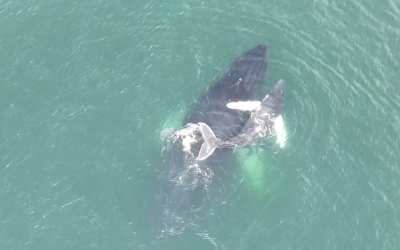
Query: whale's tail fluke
[210, 142]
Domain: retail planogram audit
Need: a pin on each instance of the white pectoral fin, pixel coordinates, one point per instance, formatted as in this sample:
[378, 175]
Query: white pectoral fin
[244, 106]
[280, 131]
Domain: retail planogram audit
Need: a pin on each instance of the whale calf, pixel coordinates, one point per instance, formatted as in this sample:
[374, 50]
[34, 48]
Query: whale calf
[185, 182]
[265, 117]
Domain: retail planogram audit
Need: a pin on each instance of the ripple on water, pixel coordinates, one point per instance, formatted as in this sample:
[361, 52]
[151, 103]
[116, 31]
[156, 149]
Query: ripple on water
[341, 112]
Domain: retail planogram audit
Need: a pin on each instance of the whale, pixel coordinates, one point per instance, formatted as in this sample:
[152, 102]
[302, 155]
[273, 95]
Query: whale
[186, 183]
[264, 120]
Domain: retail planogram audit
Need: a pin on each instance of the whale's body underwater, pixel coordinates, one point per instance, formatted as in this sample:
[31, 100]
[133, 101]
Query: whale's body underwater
[186, 182]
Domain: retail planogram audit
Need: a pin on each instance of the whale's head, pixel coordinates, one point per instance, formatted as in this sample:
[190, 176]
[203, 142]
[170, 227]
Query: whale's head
[245, 74]
[254, 62]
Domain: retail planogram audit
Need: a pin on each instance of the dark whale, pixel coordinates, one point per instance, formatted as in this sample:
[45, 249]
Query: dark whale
[260, 124]
[184, 189]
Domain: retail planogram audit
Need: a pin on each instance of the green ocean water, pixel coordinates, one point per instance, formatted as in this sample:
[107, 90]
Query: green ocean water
[88, 87]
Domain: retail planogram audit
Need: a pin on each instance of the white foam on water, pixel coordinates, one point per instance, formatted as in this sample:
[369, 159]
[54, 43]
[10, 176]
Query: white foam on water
[189, 136]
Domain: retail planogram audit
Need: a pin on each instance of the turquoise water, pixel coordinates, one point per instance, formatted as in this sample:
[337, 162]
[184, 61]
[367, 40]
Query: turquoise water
[88, 87]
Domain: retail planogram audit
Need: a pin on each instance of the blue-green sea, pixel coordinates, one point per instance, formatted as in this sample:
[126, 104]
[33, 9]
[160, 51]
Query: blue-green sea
[88, 88]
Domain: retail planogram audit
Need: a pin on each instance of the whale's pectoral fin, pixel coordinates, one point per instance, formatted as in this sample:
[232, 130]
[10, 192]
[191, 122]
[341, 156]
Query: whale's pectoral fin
[244, 106]
[210, 142]
[280, 132]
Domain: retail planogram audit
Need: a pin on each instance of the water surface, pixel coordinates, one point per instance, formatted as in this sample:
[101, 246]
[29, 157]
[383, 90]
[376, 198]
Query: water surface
[87, 88]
